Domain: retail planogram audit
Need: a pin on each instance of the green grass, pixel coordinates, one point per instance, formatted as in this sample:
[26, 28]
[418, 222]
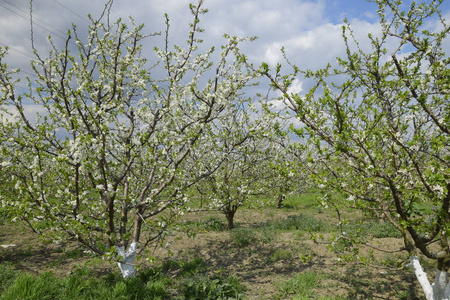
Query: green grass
[190, 277]
[184, 268]
[306, 200]
[47, 286]
[373, 228]
[301, 222]
[7, 276]
[202, 287]
[193, 282]
[149, 284]
[212, 224]
[243, 237]
[279, 255]
[302, 287]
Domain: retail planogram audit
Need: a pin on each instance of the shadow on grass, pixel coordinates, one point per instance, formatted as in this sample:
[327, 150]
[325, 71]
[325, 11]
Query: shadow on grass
[273, 261]
[38, 258]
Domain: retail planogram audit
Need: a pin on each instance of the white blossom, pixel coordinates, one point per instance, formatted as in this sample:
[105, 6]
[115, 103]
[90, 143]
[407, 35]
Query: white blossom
[439, 190]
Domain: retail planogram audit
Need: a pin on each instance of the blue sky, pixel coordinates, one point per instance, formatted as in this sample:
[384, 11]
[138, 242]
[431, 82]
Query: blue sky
[309, 30]
[337, 10]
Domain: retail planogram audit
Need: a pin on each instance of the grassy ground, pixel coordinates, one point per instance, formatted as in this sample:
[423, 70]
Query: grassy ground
[270, 255]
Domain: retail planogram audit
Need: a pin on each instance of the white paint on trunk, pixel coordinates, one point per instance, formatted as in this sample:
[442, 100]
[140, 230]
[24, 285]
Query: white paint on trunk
[422, 278]
[439, 290]
[447, 292]
[441, 286]
[126, 265]
[440, 282]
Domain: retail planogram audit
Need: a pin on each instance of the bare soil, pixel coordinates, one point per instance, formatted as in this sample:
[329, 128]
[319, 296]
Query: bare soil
[261, 267]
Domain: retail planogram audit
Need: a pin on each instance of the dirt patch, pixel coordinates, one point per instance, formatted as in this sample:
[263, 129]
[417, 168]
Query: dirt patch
[30, 253]
[261, 266]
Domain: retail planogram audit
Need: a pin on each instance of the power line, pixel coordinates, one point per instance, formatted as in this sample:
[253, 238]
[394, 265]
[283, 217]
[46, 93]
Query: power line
[17, 50]
[62, 34]
[72, 11]
[28, 73]
[27, 19]
[34, 17]
[13, 12]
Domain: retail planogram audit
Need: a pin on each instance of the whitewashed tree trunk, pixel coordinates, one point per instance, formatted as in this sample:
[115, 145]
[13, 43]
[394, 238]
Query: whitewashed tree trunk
[439, 290]
[126, 265]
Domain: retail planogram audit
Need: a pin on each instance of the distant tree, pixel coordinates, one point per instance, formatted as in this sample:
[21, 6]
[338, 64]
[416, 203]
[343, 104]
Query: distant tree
[241, 157]
[380, 127]
[288, 165]
[96, 150]
[289, 176]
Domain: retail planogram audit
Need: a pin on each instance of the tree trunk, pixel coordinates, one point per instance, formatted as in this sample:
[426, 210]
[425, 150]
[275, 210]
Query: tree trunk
[441, 286]
[280, 200]
[229, 214]
[439, 290]
[126, 264]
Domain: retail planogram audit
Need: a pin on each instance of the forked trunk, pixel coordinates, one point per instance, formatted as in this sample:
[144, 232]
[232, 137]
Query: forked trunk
[439, 290]
[127, 265]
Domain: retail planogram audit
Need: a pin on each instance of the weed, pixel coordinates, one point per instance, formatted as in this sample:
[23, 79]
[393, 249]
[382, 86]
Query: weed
[193, 267]
[403, 295]
[28, 287]
[170, 265]
[185, 268]
[243, 237]
[280, 254]
[266, 235]
[212, 224]
[75, 253]
[372, 228]
[305, 200]
[82, 270]
[302, 222]
[383, 230]
[215, 224]
[147, 285]
[7, 276]
[301, 286]
[205, 288]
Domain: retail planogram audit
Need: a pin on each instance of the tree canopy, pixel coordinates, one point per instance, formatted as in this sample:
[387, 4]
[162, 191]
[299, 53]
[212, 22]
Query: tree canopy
[97, 149]
[379, 126]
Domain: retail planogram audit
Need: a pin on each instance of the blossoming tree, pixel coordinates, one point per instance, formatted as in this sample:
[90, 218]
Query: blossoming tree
[242, 150]
[95, 151]
[380, 126]
[289, 165]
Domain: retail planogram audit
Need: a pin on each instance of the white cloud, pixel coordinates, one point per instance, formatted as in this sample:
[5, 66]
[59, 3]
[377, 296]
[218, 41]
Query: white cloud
[310, 30]
[296, 87]
[273, 54]
[30, 111]
[264, 18]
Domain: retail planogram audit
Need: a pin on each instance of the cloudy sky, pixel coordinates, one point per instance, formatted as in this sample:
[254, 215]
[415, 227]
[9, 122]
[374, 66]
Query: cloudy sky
[308, 29]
